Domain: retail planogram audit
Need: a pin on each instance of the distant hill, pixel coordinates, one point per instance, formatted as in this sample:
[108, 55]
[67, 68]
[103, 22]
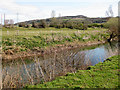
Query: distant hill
[73, 17]
[78, 17]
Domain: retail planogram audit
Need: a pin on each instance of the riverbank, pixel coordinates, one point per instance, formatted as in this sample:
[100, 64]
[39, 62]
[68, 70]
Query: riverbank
[24, 43]
[102, 75]
[48, 50]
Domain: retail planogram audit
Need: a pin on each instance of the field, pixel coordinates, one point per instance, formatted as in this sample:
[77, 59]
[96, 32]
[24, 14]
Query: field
[23, 39]
[102, 75]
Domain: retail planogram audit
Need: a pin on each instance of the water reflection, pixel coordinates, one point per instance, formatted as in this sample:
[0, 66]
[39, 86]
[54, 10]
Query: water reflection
[45, 68]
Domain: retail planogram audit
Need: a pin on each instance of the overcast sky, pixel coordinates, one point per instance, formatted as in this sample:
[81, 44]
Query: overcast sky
[39, 9]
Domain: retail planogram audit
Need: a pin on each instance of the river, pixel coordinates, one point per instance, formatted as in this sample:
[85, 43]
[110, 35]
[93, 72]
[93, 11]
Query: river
[38, 69]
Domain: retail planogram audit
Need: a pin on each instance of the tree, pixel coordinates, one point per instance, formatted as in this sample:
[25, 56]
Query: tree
[59, 22]
[53, 22]
[109, 12]
[112, 24]
[35, 25]
[22, 24]
[53, 14]
[43, 24]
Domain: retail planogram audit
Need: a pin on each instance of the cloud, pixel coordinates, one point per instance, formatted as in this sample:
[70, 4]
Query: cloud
[10, 7]
[14, 7]
[68, 1]
[38, 9]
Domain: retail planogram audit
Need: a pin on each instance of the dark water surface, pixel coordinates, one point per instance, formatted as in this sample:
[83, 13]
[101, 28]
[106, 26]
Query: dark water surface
[37, 69]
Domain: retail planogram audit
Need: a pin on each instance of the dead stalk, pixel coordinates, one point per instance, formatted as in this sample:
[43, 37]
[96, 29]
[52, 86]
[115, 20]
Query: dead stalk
[27, 72]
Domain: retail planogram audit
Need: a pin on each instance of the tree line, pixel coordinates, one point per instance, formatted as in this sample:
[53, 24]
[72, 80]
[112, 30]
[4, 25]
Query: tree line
[61, 23]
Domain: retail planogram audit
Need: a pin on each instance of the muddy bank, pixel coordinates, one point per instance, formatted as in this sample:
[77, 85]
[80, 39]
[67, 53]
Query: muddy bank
[48, 50]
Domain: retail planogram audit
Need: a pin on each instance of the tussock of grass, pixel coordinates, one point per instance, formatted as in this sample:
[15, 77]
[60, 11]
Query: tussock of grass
[102, 75]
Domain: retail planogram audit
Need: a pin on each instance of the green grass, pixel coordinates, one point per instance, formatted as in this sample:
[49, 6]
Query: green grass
[24, 38]
[102, 75]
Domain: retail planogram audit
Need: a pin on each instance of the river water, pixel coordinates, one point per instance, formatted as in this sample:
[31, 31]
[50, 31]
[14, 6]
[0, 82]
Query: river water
[39, 69]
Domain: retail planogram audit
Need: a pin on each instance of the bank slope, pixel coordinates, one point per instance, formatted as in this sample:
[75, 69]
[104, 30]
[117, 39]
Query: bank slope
[102, 75]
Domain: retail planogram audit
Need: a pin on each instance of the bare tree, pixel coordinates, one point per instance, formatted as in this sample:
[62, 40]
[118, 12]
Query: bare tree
[53, 19]
[53, 14]
[109, 12]
[59, 21]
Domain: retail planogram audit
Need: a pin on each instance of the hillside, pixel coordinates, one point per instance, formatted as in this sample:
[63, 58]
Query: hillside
[78, 17]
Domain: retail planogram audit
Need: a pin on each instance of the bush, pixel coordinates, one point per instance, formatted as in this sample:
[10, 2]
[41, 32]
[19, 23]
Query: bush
[95, 25]
[68, 24]
[22, 25]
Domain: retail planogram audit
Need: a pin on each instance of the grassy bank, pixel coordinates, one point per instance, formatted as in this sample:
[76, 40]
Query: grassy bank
[102, 75]
[22, 39]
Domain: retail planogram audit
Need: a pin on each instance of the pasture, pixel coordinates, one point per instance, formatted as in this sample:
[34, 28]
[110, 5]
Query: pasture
[24, 38]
